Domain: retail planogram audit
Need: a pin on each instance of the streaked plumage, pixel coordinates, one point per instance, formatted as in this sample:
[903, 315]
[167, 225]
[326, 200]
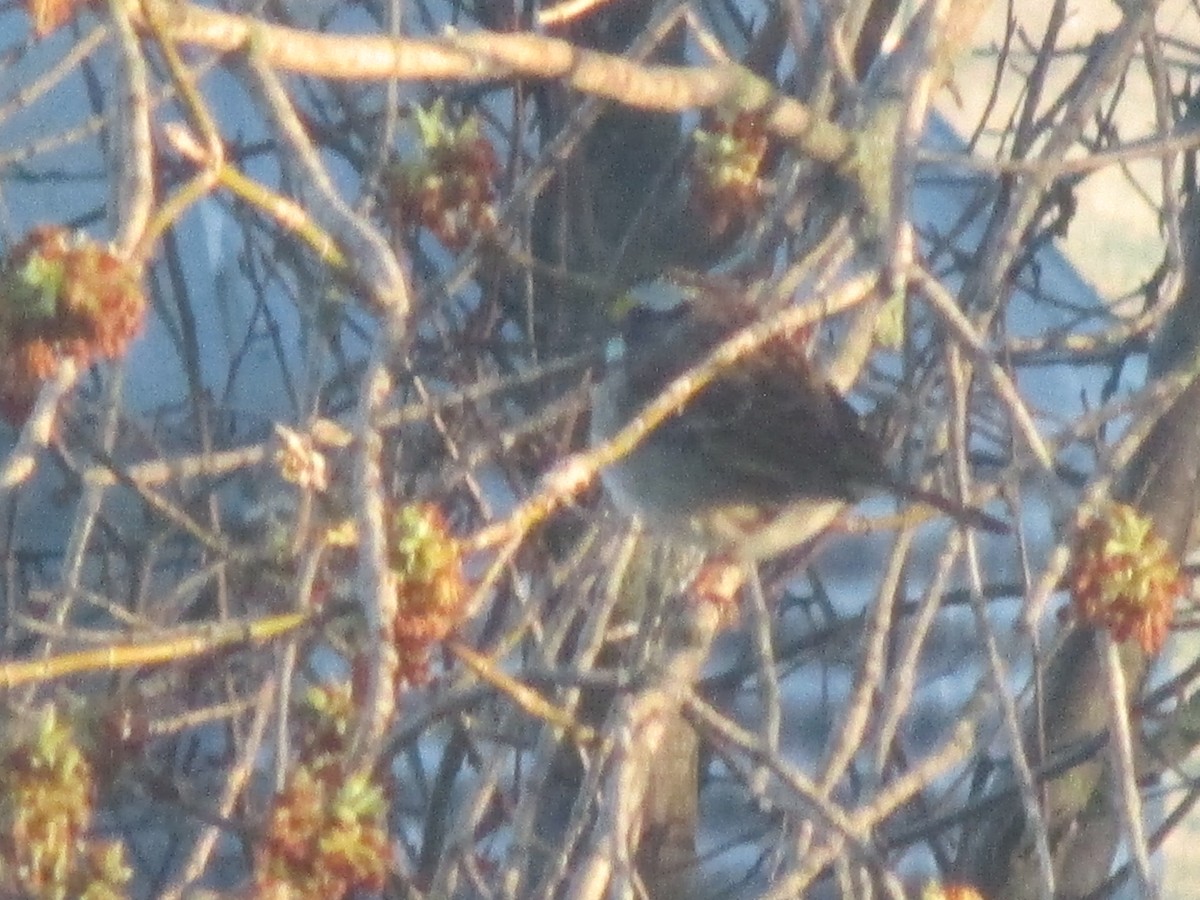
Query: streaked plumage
[761, 459]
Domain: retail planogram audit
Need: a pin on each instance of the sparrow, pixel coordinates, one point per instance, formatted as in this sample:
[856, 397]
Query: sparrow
[761, 459]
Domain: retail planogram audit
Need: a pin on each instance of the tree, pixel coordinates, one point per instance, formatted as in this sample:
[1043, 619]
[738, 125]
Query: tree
[314, 588]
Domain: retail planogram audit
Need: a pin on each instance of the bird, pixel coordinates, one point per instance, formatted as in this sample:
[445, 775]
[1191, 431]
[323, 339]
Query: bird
[761, 459]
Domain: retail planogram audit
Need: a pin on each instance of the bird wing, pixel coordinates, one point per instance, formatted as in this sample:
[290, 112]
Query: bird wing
[772, 430]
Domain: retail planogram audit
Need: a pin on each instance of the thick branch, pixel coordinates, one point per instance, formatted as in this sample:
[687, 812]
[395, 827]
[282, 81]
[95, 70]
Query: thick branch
[488, 56]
